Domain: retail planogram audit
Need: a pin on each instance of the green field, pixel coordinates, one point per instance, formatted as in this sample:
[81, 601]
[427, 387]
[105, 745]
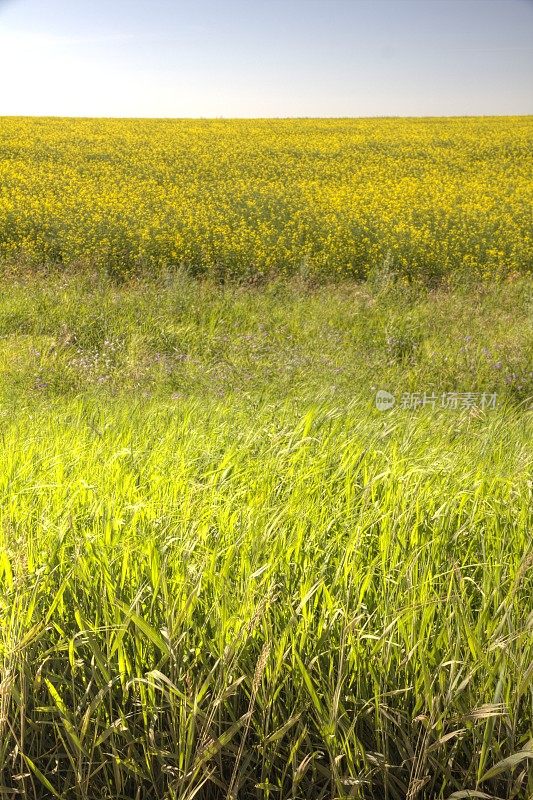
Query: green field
[225, 574]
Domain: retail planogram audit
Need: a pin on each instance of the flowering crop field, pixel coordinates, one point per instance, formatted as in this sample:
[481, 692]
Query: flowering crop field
[425, 198]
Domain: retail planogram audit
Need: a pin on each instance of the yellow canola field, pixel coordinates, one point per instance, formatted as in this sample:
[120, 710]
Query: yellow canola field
[422, 198]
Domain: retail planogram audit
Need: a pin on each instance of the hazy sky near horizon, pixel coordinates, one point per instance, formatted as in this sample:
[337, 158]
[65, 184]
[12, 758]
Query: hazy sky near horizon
[264, 58]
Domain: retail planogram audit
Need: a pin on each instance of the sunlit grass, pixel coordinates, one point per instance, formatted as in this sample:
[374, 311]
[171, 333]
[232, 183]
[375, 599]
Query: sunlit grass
[249, 582]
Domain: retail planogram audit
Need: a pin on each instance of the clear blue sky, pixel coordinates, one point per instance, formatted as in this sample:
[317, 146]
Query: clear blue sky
[263, 58]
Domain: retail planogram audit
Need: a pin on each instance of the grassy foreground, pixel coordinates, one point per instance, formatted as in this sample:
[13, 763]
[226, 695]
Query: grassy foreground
[225, 574]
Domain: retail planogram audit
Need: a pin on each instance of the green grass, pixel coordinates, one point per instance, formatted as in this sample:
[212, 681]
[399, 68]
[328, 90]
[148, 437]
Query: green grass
[62, 335]
[225, 574]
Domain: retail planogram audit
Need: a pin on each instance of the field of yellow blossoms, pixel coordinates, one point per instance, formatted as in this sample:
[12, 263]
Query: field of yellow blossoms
[423, 198]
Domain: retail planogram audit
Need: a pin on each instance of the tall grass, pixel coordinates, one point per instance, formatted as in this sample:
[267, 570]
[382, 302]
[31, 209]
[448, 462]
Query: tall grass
[204, 601]
[225, 574]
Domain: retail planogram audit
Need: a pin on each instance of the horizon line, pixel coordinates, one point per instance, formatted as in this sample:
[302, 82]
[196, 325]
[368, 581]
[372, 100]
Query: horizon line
[219, 118]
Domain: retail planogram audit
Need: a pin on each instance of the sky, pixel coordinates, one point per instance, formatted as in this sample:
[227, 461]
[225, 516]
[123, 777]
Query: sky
[266, 58]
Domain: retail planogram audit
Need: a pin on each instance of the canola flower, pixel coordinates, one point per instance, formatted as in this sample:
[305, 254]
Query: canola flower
[241, 198]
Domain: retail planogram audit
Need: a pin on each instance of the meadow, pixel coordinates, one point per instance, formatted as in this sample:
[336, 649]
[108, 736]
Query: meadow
[224, 573]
